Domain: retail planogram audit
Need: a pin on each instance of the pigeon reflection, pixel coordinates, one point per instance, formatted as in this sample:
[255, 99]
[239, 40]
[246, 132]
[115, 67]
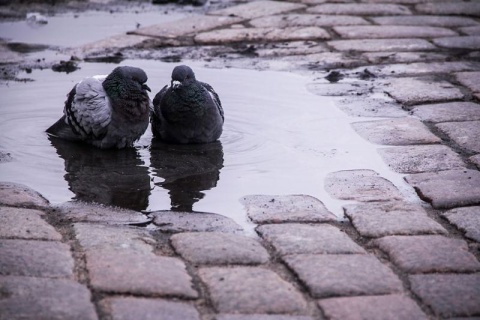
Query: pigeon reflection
[187, 170]
[111, 177]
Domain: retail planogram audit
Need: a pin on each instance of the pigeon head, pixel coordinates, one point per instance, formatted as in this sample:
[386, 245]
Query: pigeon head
[182, 75]
[126, 82]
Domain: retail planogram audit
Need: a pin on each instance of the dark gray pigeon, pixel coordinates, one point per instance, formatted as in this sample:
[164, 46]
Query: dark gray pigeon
[187, 111]
[106, 111]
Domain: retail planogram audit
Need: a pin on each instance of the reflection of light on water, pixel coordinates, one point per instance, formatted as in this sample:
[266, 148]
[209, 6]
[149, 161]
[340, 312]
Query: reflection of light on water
[278, 139]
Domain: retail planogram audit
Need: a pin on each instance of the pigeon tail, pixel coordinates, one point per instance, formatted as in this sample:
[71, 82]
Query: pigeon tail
[62, 130]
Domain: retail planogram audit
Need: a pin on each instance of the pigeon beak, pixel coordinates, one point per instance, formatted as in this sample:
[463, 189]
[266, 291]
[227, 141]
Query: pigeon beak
[176, 84]
[145, 87]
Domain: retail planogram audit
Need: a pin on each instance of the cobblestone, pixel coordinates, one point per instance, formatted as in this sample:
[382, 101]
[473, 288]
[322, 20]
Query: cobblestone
[25, 224]
[295, 20]
[444, 8]
[388, 307]
[466, 219]
[19, 195]
[343, 275]
[292, 238]
[417, 20]
[466, 135]
[251, 290]
[475, 160]
[445, 112]
[360, 9]
[449, 295]
[261, 317]
[403, 57]
[471, 31]
[386, 31]
[370, 107]
[422, 68]
[466, 42]
[426, 254]
[376, 45]
[375, 219]
[470, 80]
[258, 9]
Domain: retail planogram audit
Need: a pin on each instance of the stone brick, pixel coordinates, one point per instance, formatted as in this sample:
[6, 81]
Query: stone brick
[395, 132]
[296, 20]
[475, 160]
[450, 8]
[258, 9]
[147, 274]
[428, 254]
[449, 295]
[287, 208]
[421, 68]
[388, 307]
[437, 21]
[391, 218]
[89, 212]
[170, 221]
[447, 189]
[466, 134]
[339, 89]
[403, 57]
[385, 31]
[471, 31]
[416, 159]
[292, 238]
[376, 45]
[370, 107]
[360, 185]
[466, 219]
[288, 49]
[25, 224]
[251, 290]
[445, 112]
[35, 259]
[260, 317]
[219, 248]
[19, 195]
[411, 91]
[469, 80]
[324, 60]
[343, 275]
[39, 298]
[466, 42]
[260, 34]
[124, 308]
[360, 9]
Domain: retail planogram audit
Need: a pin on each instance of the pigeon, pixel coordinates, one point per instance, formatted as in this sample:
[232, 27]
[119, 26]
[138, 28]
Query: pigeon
[106, 111]
[188, 111]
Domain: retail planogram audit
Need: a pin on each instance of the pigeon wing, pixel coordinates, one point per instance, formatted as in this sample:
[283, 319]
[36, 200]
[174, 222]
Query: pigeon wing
[88, 110]
[215, 97]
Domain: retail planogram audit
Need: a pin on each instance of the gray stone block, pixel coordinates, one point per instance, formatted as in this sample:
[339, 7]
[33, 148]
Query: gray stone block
[445, 112]
[25, 224]
[403, 57]
[35, 258]
[376, 45]
[251, 290]
[172, 221]
[19, 195]
[466, 219]
[391, 218]
[471, 31]
[287, 208]
[360, 185]
[449, 295]
[466, 42]
[39, 298]
[475, 160]
[388, 307]
[339, 89]
[219, 248]
[450, 8]
[297, 20]
[424, 68]
[260, 317]
[383, 107]
[428, 254]
[343, 275]
[469, 80]
[385, 32]
[447, 189]
[257, 9]
[360, 9]
[292, 238]
[416, 159]
[437, 21]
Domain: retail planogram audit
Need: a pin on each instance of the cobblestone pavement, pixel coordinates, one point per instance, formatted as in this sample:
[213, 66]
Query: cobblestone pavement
[414, 63]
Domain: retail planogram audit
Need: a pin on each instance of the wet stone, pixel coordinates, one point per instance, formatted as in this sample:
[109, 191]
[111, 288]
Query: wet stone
[25, 224]
[449, 295]
[445, 112]
[123, 308]
[292, 238]
[437, 21]
[388, 307]
[288, 208]
[258, 9]
[466, 42]
[219, 248]
[416, 159]
[360, 9]
[370, 107]
[403, 57]
[466, 219]
[377, 45]
[138, 273]
[95, 237]
[411, 91]
[475, 160]
[35, 259]
[260, 317]
[19, 195]
[38, 298]
[385, 31]
[343, 275]
[399, 131]
[421, 68]
[447, 189]
[428, 254]
[375, 220]
[338, 89]
[170, 221]
[251, 290]
[450, 8]
[469, 80]
[324, 60]
[471, 31]
[296, 20]
[466, 134]
[88, 212]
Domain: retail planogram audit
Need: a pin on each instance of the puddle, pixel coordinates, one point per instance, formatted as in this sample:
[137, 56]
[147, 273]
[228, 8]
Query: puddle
[278, 139]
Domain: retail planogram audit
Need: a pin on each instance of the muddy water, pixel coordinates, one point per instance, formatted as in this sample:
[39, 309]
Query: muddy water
[278, 139]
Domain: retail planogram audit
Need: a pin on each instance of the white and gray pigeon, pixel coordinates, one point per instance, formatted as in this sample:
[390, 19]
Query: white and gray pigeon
[187, 111]
[106, 111]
